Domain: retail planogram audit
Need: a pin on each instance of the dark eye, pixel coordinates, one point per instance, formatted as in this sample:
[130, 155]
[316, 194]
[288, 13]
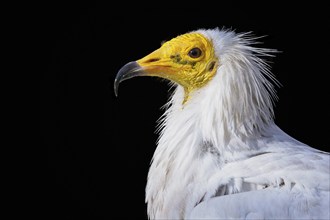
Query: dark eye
[195, 52]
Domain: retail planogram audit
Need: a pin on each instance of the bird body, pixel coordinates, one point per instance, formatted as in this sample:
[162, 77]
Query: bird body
[220, 154]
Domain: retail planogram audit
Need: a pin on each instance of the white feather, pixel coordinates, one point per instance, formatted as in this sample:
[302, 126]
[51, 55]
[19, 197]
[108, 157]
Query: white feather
[221, 154]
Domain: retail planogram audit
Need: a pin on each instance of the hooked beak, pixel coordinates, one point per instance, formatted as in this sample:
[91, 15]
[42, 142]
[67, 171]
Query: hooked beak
[128, 71]
[156, 63]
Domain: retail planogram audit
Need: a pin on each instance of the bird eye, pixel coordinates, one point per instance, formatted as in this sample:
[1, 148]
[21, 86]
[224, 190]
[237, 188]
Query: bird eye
[195, 52]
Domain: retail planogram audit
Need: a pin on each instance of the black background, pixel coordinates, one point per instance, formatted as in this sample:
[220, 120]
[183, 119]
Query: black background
[100, 146]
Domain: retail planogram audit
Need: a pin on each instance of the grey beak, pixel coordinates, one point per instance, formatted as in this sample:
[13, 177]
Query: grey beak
[130, 70]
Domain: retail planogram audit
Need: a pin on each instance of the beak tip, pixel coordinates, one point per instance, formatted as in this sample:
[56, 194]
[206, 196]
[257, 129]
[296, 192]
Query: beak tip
[116, 87]
[128, 71]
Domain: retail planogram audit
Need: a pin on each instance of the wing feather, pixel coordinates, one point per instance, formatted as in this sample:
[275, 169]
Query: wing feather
[277, 185]
[273, 203]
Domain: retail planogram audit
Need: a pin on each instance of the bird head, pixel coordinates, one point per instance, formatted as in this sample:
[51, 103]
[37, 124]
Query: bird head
[188, 60]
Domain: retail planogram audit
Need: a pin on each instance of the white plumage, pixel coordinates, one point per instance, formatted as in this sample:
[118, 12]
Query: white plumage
[221, 156]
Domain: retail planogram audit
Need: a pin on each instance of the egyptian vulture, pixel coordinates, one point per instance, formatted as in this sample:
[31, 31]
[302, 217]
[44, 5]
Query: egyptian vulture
[220, 154]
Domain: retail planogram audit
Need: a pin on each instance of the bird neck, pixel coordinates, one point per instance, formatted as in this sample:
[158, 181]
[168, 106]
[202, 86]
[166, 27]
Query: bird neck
[211, 116]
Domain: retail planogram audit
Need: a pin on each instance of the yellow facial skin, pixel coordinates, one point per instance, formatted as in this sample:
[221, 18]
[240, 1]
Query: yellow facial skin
[176, 61]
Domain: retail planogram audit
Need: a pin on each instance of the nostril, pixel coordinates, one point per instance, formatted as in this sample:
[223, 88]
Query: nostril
[152, 60]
